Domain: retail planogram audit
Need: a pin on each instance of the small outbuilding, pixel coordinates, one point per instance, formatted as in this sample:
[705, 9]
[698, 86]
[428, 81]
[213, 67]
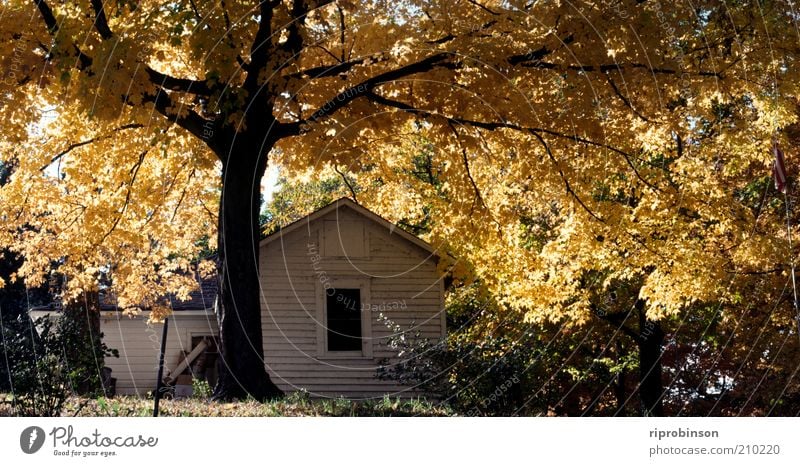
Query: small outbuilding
[329, 283]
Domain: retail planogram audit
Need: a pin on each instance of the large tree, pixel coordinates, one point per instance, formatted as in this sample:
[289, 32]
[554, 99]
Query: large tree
[634, 117]
[633, 181]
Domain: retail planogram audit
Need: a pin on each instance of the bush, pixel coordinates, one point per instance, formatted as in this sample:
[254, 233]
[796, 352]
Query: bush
[474, 378]
[48, 360]
[201, 389]
[493, 362]
[475, 375]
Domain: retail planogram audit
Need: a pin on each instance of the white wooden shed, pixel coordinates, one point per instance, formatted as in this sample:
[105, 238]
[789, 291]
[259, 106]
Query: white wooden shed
[326, 281]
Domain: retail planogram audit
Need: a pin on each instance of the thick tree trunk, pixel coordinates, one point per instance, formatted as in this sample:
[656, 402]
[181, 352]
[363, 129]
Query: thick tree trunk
[241, 371]
[651, 388]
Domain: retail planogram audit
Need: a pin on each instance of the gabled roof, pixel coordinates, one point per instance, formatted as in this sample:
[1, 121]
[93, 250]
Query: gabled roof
[348, 203]
[201, 299]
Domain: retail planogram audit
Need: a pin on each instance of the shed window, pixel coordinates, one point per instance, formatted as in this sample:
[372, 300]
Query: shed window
[344, 319]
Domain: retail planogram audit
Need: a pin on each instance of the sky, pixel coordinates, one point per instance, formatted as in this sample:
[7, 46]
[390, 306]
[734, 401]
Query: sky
[269, 184]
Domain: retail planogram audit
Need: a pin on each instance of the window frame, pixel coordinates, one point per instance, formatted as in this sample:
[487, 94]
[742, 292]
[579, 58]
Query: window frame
[363, 285]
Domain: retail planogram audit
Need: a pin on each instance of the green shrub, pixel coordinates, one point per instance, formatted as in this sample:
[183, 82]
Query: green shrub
[201, 389]
[48, 360]
[474, 378]
[489, 365]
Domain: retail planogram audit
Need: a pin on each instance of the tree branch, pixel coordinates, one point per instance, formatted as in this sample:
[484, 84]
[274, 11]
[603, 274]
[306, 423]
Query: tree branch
[342, 29]
[294, 42]
[156, 77]
[534, 57]
[613, 67]
[484, 8]
[776, 270]
[47, 15]
[449, 37]
[465, 160]
[182, 197]
[189, 86]
[192, 122]
[498, 125]
[261, 48]
[439, 60]
[196, 12]
[76, 145]
[534, 60]
[101, 24]
[229, 35]
[347, 183]
[100, 20]
[326, 71]
[568, 187]
[84, 61]
[623, 98]
[134, 173]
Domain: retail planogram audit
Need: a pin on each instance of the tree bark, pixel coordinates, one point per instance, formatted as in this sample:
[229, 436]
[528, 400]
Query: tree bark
[241, 365]
[651, 388]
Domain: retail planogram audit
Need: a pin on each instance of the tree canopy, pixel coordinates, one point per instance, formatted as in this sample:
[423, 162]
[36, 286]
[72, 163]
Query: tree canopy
[556, 149]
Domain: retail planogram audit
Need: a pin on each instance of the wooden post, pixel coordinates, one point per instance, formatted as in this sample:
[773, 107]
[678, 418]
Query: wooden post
[159, 382]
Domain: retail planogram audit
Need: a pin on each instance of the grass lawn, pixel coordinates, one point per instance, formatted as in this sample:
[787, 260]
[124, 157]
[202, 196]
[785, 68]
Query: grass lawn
[292, 405]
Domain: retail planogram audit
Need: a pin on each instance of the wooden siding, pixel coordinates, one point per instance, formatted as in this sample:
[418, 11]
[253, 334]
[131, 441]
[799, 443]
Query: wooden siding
[400, 280]
[138, 344]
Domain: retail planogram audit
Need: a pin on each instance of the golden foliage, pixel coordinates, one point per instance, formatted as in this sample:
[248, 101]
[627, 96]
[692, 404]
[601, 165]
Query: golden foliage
[562, 137]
